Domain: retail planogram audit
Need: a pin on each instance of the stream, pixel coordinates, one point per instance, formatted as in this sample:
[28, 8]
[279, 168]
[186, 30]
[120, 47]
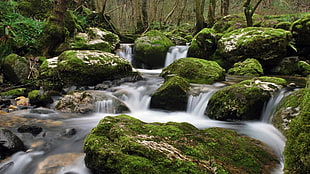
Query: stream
[137, 97]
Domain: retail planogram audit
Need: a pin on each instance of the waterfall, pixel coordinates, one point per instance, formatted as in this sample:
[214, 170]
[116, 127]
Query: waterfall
[197, 105]
[125, 51]
[105, 106]
[136, 99]
[176, 52]
[271, 105]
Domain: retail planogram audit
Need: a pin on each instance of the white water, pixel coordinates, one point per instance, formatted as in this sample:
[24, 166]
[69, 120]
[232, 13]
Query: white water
[137, 97]
[125, 51]
[175, 53]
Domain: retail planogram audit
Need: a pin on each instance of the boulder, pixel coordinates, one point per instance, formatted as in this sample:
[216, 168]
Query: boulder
[203, 44]
[9, 143]
[267, 45]
[87, 101]
[243, 101]
[249, 67]
[172, 95]
[301, 31]
[15, 68]
[292, 119]
[83, 68]
[151, 48]
[39, 98]
[195, 70]
[122, 144]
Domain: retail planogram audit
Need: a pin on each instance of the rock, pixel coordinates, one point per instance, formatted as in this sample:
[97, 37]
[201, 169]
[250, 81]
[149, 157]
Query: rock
[39, 98]
[83, 68]
[283, 25]
[203, 44]
[301, 31]
[54, 163]
[14, 92]
[151, 48]
[34, 130]
[172, 95]
[122, 144]
[267, 45]
[243, 101]
[15, 68]
[303, 68]
[287, 66]
[85, 102]
[105, 35]
[22, 101]
[249, 67]
[195, 70]
[9, 143]
[292, 119]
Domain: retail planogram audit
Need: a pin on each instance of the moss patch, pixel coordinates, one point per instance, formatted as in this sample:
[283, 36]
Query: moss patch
[123, 144]
[195, 70]
[249, 67]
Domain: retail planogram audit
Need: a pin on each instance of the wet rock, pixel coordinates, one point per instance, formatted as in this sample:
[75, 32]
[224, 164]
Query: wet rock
[9, 143]
[39, 98]
[195, 70]
[34, 130]
[243, 101]
[151, 48]
[172, 95]
[54, 163]
[122, 144]
[69, 132]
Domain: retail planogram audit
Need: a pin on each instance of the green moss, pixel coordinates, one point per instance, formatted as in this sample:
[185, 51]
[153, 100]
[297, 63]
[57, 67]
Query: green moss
[151, 48]
[14, 92]
[195, 70]
[303, 68]
[249, 67]
[275, 80]
[123, 144]
[39, 98]
[283, 25]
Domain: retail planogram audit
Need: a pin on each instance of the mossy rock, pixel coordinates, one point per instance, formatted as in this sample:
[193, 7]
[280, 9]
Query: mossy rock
[303, 68]
[283, 25]
[85, 67]
[249, 67]
[243, 101]
[172, 95]
[151, 48]
[39, 98]
[267, 45]
[15, 68]
[105, 35]
[195, 70]
[203, 44]
[236, 21]
[287, 66]
[122, 144]
[301, 31]
[14, 92]
[292, 119]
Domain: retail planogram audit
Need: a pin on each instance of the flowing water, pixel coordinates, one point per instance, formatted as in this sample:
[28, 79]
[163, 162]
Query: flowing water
[137, 96]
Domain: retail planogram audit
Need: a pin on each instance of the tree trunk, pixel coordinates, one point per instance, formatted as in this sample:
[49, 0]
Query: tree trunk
[200, 20]
[181, 13]
[224, 7]
[144, 15]
[60, 10]
[249, 11]
[172, 11]
[211, 14]
[139, 20]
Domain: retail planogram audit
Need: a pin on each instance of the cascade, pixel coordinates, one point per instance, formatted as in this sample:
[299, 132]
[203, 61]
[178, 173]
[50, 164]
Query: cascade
[197, 105]
[105, 106]
[274, 100]
[125, 51]
[175, 53]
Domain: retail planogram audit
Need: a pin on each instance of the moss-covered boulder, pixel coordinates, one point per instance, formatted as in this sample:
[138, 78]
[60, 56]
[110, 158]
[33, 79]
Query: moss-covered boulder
[203, 44]
[90, 101]
[39, 98]
[243, 101]
[84, 67]
[15, 68]
[292, 119]
[267, 45]
[301, 31]
[123, 144]
[236, 21]
[195, 70]
[303, 67]
[249, 67]
[283, 25]
[151, 48]
[172, 95]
